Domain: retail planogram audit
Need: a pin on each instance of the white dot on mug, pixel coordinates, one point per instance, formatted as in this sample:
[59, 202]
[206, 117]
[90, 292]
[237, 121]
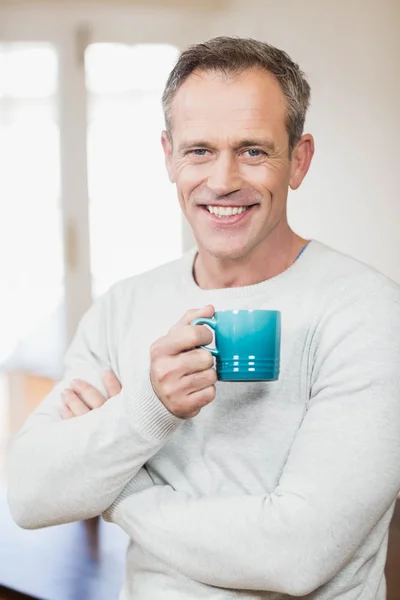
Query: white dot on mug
[251, 357]
[252, 369]
[236, 357]
[235, 369]
[236, 364]
[251, 363]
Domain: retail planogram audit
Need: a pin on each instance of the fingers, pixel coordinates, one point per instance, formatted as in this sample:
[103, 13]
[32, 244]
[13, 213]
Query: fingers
[199, 381]
[183, 336]
[181, 373]
[76, 407]
[196, 401]
[195, 360]
[185, 394]
[184, 364]
[203, 397]
[195, 313]
[84, 397]
[111, 383]
[88, 393]
[181, 339]
[66, 413]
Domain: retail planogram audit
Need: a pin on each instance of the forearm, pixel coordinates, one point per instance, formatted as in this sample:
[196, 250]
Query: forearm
[61, 471]
[275, 543]
[246, 542]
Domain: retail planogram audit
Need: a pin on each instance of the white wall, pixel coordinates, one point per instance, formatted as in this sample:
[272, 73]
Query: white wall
[350, 50]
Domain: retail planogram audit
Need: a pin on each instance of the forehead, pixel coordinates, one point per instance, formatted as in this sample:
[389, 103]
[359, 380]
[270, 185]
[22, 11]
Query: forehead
[213, 102]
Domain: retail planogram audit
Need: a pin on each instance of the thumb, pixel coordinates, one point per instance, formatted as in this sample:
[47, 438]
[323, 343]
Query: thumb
[195, 313]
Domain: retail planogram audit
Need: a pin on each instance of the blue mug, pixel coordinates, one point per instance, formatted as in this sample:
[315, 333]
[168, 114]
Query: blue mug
[247, 344]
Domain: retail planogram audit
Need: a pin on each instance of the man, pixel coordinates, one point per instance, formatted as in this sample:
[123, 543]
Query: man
[230, 490]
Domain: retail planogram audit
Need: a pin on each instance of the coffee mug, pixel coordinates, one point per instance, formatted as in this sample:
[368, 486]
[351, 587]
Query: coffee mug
[247, 344]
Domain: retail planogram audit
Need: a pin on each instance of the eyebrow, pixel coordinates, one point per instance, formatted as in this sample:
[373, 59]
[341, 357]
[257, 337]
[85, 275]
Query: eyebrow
[245, 143]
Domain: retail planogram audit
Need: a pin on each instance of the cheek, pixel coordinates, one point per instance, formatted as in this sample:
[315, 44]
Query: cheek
[189, 177]
[266, 177]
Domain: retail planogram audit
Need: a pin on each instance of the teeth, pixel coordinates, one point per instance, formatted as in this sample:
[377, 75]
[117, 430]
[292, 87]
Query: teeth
[226, 211]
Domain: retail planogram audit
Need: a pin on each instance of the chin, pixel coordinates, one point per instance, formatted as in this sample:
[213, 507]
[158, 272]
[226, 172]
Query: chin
[226, 251]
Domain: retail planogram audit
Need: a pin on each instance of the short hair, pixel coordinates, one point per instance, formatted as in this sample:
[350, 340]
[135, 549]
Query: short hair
[232, 56]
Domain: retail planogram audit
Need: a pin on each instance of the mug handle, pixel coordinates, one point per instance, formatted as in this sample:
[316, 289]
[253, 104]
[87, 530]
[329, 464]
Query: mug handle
[211, 323]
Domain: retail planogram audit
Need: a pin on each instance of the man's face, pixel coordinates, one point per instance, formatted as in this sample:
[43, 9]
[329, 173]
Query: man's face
[229, 159]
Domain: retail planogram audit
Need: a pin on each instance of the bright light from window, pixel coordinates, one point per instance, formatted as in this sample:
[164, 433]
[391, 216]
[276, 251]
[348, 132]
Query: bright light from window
[119, 68]
[135, 220]
[31, 254]
[28, 70]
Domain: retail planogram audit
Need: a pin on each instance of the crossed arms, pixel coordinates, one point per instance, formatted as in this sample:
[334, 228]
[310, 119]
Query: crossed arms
[341, 477]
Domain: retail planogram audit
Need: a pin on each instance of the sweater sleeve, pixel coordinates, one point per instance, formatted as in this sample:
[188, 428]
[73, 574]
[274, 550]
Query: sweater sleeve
[341, 477]
[66, 470]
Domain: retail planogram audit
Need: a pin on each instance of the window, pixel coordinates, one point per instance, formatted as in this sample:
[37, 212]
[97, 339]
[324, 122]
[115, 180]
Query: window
[135, 219]
[31, 255]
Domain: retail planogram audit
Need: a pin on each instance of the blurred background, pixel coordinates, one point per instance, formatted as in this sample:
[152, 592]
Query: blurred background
[84, 196]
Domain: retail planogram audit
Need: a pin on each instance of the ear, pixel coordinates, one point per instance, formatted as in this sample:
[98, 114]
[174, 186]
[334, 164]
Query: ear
[166, 143]
[301, 160]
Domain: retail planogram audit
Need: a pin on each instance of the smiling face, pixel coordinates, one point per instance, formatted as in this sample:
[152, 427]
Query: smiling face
[229, 158]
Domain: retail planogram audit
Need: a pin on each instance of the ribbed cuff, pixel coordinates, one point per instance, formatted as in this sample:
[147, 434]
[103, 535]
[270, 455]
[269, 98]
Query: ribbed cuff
[148, 414]
[141, 481]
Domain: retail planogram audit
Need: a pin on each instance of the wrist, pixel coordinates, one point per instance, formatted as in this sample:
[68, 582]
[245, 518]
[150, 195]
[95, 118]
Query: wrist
[147, 413]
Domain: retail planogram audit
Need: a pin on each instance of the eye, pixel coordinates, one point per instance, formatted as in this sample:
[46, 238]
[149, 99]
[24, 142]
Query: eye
[255, 153]
[198, 152]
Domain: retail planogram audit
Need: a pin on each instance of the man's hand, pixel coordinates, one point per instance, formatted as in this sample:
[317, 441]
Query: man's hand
[83, 397]
[182, 375]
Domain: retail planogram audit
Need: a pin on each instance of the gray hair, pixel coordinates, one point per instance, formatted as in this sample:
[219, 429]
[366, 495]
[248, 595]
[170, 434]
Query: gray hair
[232, 56]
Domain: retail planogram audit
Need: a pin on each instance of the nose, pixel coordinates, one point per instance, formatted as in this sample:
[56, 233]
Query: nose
[224, 177]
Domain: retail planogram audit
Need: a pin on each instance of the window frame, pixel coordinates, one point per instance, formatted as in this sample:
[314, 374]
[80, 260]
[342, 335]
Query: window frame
[70, 30]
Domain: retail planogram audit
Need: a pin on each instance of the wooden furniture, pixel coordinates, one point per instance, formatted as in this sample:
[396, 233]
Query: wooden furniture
[7, 594]
[66, 562]
[78, 561]
[25, 392]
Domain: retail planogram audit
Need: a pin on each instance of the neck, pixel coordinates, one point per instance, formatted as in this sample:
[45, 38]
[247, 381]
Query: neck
[267, 260]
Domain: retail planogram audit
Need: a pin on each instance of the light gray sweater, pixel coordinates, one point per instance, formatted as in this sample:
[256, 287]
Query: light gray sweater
[275, 489]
